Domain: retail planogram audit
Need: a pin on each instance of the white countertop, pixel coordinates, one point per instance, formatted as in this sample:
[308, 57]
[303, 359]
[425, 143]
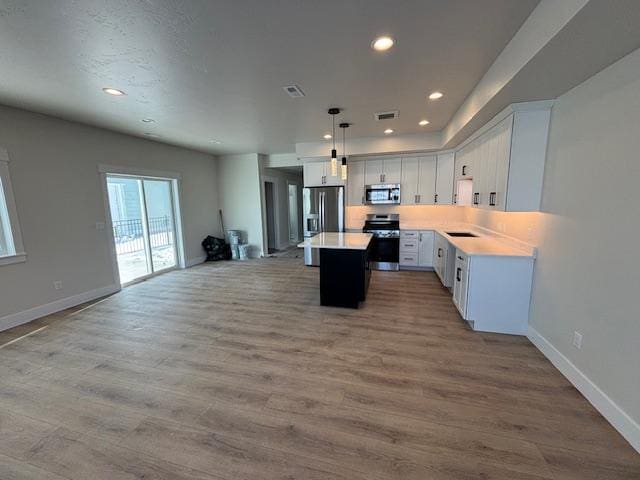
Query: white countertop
[486, 243]
[348, 241]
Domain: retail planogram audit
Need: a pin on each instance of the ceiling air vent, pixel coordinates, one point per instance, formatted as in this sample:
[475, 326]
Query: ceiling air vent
[386, 115]
[293, 91]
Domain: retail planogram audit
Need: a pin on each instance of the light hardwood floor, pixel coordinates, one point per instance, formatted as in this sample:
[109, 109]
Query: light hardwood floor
[233, 371]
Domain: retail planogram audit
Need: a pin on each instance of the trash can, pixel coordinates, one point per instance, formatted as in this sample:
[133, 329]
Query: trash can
[244, 250]
[235, 237]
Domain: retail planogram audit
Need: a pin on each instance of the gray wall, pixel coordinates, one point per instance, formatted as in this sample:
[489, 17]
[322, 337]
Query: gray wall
[587, 276]
[241, 197]
[54, 171]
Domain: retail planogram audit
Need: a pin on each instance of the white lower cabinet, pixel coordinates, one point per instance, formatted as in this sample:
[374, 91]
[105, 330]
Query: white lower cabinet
[444, 255]
[492, 293]
[416, 248]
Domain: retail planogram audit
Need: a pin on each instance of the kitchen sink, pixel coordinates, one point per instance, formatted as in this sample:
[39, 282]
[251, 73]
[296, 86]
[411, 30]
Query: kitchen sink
[461, 234]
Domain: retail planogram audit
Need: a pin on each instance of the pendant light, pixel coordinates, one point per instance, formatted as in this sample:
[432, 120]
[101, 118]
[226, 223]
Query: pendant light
[334, 154]
[343, 167]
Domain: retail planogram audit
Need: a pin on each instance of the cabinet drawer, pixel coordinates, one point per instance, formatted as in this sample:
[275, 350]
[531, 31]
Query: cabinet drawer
[407, 234]
[408, 259]
[408, 245]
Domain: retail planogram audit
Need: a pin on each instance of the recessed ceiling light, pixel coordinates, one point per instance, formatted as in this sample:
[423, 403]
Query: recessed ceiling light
[388, 131]
[148, 120]
[381, 44]
[422, 123]
[436, 95]
[152, 135]
[113, 91]
[217, 142]
[327, 136]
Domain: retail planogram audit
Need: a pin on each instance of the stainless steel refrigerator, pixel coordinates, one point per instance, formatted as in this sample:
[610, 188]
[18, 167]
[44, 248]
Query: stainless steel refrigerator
[323, 212]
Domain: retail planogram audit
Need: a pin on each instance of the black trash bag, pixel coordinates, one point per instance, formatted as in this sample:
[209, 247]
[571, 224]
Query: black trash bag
[216, 248]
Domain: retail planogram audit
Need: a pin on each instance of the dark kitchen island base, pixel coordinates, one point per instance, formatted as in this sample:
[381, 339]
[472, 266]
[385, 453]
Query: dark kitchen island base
[344, 277]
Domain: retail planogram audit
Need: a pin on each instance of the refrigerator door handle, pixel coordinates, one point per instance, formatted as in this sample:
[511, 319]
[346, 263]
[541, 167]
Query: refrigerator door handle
[321, 203]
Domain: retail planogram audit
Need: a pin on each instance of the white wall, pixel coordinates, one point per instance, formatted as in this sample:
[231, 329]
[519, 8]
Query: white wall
[54, 171]
[282, 178]
[241, 197]
[587, 275]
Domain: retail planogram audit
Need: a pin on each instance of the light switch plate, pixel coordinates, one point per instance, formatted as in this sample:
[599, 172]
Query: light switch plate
[577, 340]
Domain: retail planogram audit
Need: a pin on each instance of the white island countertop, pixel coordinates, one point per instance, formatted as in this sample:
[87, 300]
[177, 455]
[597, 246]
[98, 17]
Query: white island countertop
[348, 241]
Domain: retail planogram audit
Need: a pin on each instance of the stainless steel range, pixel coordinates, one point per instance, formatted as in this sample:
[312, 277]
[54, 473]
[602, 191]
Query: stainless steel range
[385, 248]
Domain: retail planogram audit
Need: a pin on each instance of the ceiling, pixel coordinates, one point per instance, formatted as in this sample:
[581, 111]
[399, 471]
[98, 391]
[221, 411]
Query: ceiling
[208, 71]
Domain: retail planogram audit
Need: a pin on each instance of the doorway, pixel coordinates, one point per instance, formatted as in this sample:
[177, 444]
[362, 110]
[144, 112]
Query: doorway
[294, 232]
[270, 205]
[144, 227]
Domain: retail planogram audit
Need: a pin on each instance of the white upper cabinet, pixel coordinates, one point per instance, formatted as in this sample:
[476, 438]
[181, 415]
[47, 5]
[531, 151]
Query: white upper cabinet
[463, 163]
[379, 170]
[318, 174]
[427, 180]
[313, 174]
[419, 180]
[373, 171]
[355, 182]
[444, 178]
[392, 170]
[409, 183]
[506, 163]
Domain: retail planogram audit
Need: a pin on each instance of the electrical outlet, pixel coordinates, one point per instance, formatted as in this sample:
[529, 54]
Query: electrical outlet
[57, 285]
[577, 340]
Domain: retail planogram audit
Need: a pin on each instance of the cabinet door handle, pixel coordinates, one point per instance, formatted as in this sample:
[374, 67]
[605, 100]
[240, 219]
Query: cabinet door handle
[458, 272]
[415, 199]
[455, 198]
[419, 198]
[439, 253]
[435, 198]
[420, 236]
[363, 200]
[492, 199]
[464, 170]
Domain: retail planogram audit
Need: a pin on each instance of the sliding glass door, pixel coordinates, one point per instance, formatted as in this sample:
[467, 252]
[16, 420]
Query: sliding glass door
[143, 217]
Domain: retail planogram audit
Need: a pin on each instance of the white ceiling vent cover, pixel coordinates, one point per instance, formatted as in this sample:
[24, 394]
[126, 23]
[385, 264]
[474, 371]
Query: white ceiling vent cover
[294, 91]
[387, 115]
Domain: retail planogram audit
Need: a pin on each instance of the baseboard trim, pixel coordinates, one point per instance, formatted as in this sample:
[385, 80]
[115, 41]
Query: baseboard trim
[618, 418]
[195, 261]
[34, 313]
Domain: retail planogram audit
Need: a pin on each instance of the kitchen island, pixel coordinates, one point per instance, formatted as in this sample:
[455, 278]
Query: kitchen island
[344, 267]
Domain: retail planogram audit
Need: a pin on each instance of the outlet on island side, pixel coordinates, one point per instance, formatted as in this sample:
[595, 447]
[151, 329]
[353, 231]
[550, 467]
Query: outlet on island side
[57, 285]
[577, 340]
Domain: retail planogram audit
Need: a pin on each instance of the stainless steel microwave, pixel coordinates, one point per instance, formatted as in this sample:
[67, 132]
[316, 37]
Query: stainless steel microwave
[382, 194]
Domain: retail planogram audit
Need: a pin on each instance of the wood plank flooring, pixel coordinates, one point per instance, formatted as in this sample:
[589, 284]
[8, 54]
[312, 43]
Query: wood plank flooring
[233, 371]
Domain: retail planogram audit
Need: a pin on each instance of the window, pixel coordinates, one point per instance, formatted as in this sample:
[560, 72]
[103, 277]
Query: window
[11, 250]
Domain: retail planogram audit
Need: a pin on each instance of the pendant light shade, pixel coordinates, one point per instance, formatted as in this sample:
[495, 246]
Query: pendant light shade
[343, 166]
[334, 153]
[334, 163]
